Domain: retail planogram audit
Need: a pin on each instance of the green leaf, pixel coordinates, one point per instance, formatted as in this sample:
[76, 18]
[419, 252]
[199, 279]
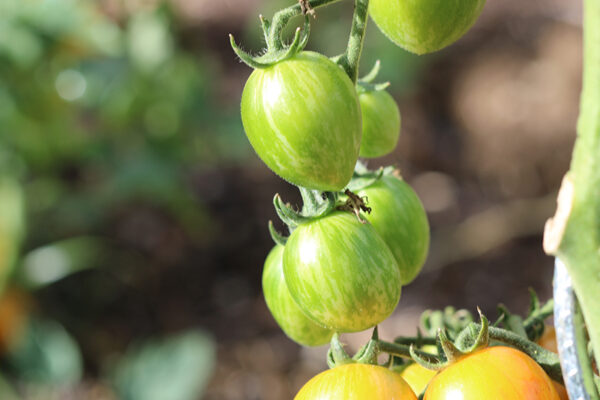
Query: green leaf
[46, 354]
[177, 368]
[48, 264]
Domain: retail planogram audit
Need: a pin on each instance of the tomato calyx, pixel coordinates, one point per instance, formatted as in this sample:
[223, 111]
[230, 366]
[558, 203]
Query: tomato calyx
[449, 319]
[276, 51]
[363, 177]
[532, 327]
[473, 340]
[365, 84]
[316, 204]
[367, 354]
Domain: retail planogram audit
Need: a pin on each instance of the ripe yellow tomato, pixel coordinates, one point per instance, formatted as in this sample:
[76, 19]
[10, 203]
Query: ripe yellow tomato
[548, 341]
[417, 377]
[494, 373]
[356, 381]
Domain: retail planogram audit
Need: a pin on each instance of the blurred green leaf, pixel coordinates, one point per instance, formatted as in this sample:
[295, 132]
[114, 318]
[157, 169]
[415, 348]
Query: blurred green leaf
[177, 368]
[6, 390]
[46, 354]
[48, 264]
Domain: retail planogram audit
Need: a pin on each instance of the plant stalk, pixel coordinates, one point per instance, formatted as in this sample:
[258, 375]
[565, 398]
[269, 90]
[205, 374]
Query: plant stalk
[574, 233]
[351, 58]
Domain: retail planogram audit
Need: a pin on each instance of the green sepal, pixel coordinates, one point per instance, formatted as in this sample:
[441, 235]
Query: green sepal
[336, 355]
[274, 54]
[288, 215]
[277, 237]
[436, 365]
[512, 322]
[369, 352]
[372, 74]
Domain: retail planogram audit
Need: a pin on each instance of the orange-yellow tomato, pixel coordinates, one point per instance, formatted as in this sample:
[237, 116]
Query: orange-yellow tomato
[417, 377]
[548, 341]
[356, 381]
[494, 373]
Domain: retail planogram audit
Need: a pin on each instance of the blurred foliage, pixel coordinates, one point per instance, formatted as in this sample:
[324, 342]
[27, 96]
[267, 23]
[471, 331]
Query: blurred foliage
[46, 354]
[177, 368]
[101, 111]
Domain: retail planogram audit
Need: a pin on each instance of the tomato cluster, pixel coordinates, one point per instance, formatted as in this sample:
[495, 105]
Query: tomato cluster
[492, 373]
[337, 274]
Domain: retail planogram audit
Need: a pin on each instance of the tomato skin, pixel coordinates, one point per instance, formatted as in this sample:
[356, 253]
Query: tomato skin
[381, 123]
[548, 341]
[494, 373]
[397, 214]
[302, 117]
[417, 377]
[356, 381]
[424, 26]
[292, 320]
[341, 273]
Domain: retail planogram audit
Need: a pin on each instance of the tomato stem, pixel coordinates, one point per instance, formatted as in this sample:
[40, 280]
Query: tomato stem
[282, 17]
[351, 58]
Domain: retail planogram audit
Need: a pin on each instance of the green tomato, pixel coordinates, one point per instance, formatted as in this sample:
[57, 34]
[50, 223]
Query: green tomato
[398, 216]
[341, 273]
[381, 123]
[292, 320]
[424, 26]
[302, 118]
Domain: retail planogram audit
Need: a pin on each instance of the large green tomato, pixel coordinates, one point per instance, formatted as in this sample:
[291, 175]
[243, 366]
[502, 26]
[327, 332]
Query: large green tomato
[296, 325]
[381, 123]
[397, 214]
[341, 273]
[424, 26]
[303, 119]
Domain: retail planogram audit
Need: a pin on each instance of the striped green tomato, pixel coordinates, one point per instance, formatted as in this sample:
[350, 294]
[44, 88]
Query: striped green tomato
[381, 123]
[424, 26]
[303, 119]
[292, 320]
[341, 273]
[397, 214]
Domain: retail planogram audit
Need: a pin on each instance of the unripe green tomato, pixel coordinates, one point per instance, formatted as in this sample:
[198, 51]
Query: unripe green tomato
[398, 216]
[292, 320]
[302, 118]
[341, 273]
[424, 26]
[381, 123]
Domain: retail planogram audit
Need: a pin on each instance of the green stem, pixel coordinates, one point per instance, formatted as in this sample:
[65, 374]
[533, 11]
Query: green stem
[574, 233]
[584, 359]
[401, 350]
[350, 60]
[282, 17]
